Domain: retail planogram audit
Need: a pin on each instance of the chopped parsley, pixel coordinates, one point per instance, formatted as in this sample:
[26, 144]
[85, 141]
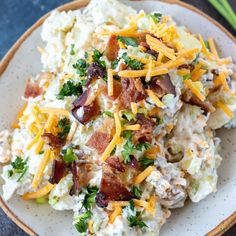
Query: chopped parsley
[136, 191]
[128, 147]
[156, 17]
[132, 63]
[135, 219]
[64, 126]
[81, 67]
[187, 76]
[19, 166]
[207, 45]
[114, 64]
[143, 146]
[108, 113]
[81, 221]
[72, 49]
[89, 198]
[145, 162]
[128, 115]
[97, 58]
[41, 152]
[128, 41]
[68, 89]
[69, 155]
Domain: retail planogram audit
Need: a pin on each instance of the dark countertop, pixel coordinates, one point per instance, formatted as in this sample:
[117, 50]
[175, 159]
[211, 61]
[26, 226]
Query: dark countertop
[18, 15]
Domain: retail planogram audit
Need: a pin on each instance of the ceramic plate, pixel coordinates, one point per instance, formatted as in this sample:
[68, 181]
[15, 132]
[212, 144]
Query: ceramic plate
[193, 219]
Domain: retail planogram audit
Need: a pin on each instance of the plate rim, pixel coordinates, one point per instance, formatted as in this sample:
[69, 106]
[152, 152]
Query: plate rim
[222, 226]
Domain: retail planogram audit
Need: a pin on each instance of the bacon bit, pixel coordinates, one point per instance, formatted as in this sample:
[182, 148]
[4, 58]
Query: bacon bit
[59, 170]
[89, 109]
[133, 163]
[112, 188]
[32, 89]
[53, 141]
[132, 91]
[94, 72]
[75, 188]
[162, 85]
[116, 90]
[145, 133]
[99, 141]
[112, 48]
[115, 163]
[192, 99]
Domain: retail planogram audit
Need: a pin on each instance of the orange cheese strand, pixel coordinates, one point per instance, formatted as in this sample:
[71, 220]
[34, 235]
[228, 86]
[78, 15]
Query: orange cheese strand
[39, 173]
[132, 127]
[114, 214]
[225, 109]
[143, 175]
[154, 98]
[34, 140]
[40, 193]
[194, 90]
[213, 47]
[56, 111]
[172, 64]
[142, 73]
[110, 82]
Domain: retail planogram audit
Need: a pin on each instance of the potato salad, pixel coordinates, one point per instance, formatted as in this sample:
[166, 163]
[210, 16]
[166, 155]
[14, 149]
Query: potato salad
[119, 126]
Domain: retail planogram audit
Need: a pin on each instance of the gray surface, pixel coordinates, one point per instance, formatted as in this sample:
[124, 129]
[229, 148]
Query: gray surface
[17, 15]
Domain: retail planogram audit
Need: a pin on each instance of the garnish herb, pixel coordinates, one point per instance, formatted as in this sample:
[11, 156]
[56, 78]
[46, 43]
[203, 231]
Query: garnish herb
[108, 113]
[19, 166]
[135, 219]
[132, 63]
[128, 147]
[81, 221]
[128, 115]
[128, 41]
[207, 45]
[68, 89]
[72, 49]
[114, 64]
[64, 125]
[136, 191]
[143, 146]
[156, 17]
[69, 155]
[187, 76]
[97, 58]
[89, 198]
[145, 162]
[41, 152]
[81, 67]
[40, 200]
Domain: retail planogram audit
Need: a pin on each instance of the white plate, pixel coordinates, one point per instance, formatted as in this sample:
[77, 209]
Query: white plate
[193, 219]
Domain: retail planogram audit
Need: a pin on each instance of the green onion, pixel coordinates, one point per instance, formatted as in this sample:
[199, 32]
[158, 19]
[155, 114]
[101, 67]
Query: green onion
[223, 7]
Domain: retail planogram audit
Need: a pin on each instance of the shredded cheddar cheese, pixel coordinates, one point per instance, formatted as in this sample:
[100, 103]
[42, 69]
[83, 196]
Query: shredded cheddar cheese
[34, 140]
[55, 111]
[154, 98]
[142, 176]
[142, 73]
[39, 173]
[225, 109]
[134, 108]
[39, 146]
[115, 139]
[40, 193]
[114, 214]
[132, 127]
[90, 226]
[213, 47]
[110, 82]
[194, 89]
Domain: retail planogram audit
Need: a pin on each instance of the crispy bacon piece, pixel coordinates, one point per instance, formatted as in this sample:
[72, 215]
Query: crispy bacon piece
[85, 109]
[112, 188]
[59, 170]
[116, 90]
[132, 91]
[115, 163]
[99, 141]
[53, 141]
[186, 66]
[145, 133]
[75, 187]
[162, 85]
[94, 72]
[112, 48]
[190, 98]
[32, 89]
